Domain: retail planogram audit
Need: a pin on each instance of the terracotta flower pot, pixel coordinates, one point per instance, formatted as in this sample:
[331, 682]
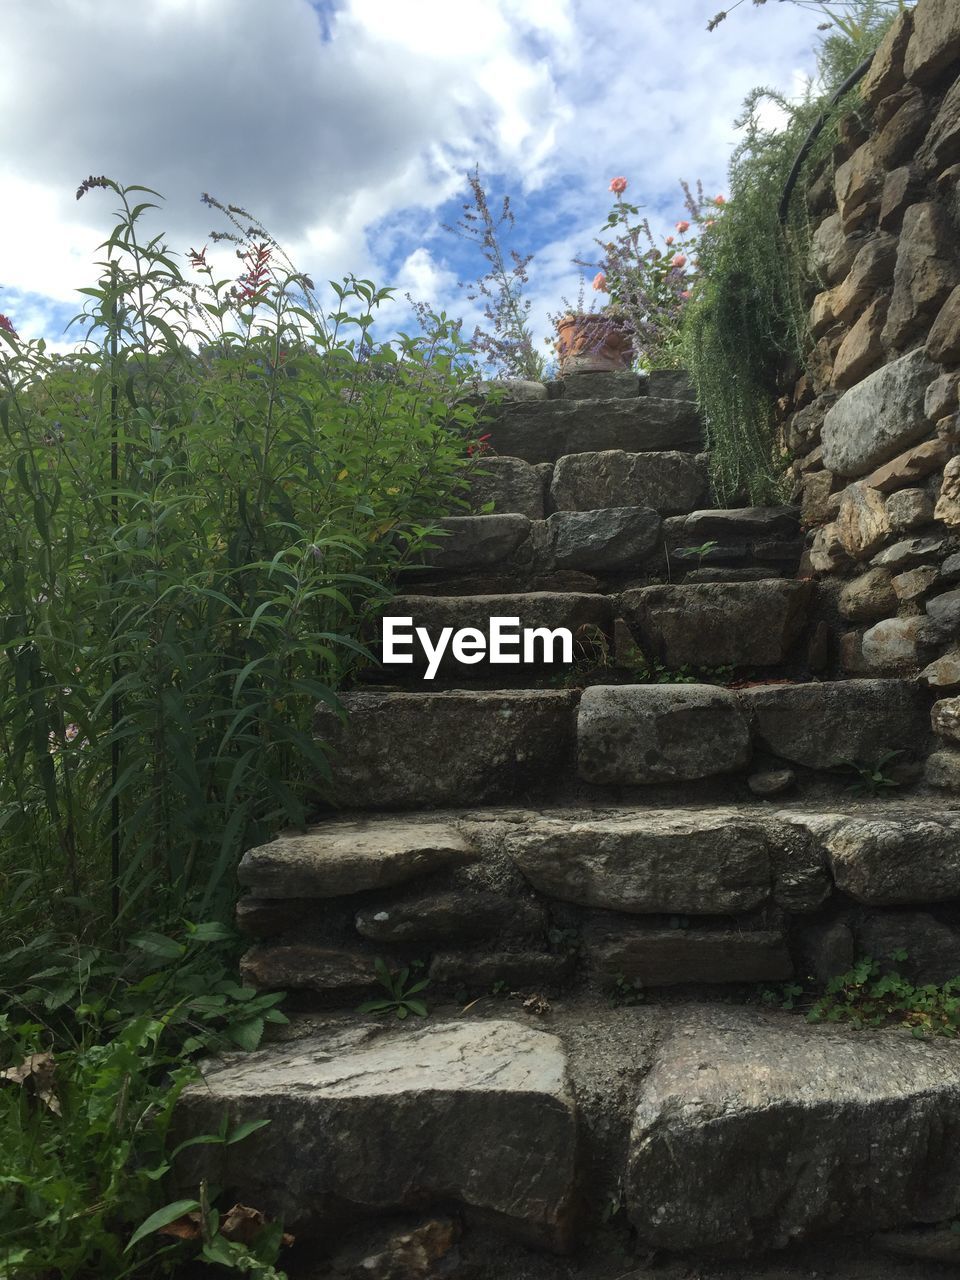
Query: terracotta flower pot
[592, 343]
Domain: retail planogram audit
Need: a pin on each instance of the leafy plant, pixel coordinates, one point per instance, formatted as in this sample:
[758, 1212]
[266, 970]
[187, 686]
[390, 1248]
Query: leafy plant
[402, 995]
[624, 991]
[872, 996]
[871, 778]
[700, 552]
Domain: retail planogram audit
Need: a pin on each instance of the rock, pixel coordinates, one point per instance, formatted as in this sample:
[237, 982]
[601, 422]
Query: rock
[547, 430]
[614, 385]
[831, 253]
[671, 384]
[480, 970]
[394, 751]
[943, 672]
[902, 188]
[418, 1251]
[828, 950]
[510, 483]
[941, 397]
[803, 428]
[897, 644]
[615, 538]
[942, 147]
[932, 947]
[948, 429]
[851, 654]
[717, 624]
[935, 42]
[337, 974]
[825, 1128]
[827, 552]
[909, 553]
[869, 597]
[875, 420]
[669, 483]
[659, 957]
[942, 769]
[659, 733]
[858, 184]
[943, 344]
[908, 509]
[362, 1120]
[915, 464]
[862, 521]
[696, 862]
[886, 74]
[738, 522]
[345, 856]
[915, 582]
[873, 269]
[944, 614]
[887, 862]
[822, 316]
[948, 503]
[477, 542]
[817, 488]
[451, 916]
[862, 349]
[772, 782]
[945, 718]
[822, 726]
[514, 389]
[926, 1244]
[900, 136]
[926, 272]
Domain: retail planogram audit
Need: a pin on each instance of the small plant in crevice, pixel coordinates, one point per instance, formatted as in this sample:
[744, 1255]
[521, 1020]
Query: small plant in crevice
[403, 996]
[623, 992]
[873, 995]
[871, 776]
[700, 552]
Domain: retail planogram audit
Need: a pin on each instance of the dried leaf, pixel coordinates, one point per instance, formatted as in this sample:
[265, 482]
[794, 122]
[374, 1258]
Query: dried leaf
[38, 1070]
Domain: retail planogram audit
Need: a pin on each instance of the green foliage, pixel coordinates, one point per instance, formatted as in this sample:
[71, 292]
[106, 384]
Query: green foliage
[871, 995]
[871, 776]
[749, 315]
[199, 514]
[624, 992]
[95, 1050]
[402, 996]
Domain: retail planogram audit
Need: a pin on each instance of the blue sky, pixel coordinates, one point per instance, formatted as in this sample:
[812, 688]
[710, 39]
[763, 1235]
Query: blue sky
[348, 127]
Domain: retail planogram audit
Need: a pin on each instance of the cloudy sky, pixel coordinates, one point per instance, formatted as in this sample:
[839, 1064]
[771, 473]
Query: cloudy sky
[347, 126]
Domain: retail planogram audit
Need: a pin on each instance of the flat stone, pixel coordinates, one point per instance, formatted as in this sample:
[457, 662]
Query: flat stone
[737, 522]
[345, 856]
[945, 718]
[817, 489]
[914, 464]
[873, 269]
[879, 417]
[926, 272]
[941, 397]
[771, 782]
[697, 862]
[902, 188]
[899, 137]
[616, 385]
[362, 1120]
[943, 672]
[942, 769]
[336, 974]
[935, 42]
[941, 150]
[822, 726]
[511, 484]
[915, 583]
[670, 482]
[909, 553]
[827, 552]
[891, 861]
[862, 349]
[659, 957]
[478, 971]
[947, 507]
[886, 74]
[862, 521]
[858, 184]
[944, 613]
[611, 539]
[909, 509]
[897, 645]
[453, 916]
[659, 733]
[670, 384]
[869, 597]
[395, 749]
[831, 252]
[477, 542]
[718, 624]
[803, 428]
[545, 431]
[841, 1127]
[943, 344]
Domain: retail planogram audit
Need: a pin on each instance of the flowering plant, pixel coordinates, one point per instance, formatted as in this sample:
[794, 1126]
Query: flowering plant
[649, 282]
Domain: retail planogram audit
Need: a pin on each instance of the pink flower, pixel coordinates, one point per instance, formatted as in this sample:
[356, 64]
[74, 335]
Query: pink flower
[683, 227]
[669, 240]
[600, 282]
[5, 324]
[618, 186]
[721, 200]
[680, 260]
[686, 295]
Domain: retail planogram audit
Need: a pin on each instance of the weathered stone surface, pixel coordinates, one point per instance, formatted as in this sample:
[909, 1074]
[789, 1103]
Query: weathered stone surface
[827, 552]
[614, 538]
[926, 272]
[822, 315]
[771, 782]
[817, 488]
[727, 524]
[886, 73]
[616, 385]
[897, 644]
[660, 957]
[858, 184]
[659, 733]
[944, 614]
[909, 553]
[452, 916]
[827, 950]
[875, 420]
[394, 751]
[873, 269]
[825, 1128]
[862, 349]
[510, 483]
[670, 482]
[899, 136]
[941, 397]
[913, 465]
[943, 343]
[925, 1244]
[697, 862]
[948, 503]
[935, 41]
[915, 583]
[891, 861]
[802, 431]
[943, 672]
[334, 973]
[514, 389]
[932, 947]
[478, 971]
[362, 1120]
[942, 769]
[945, 718]
[718, 624]
[545, 431]
[826, 725]
[346, 856]
[862, 521]
[670, 384]
[477, 542]
[942, 147]
[831, 252]
[902, 188]
[869, 597]
[909, 509]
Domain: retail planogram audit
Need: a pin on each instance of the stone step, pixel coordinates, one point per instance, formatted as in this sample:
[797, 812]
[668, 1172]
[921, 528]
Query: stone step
[528, 1130]
[669, 482]
[545, 430]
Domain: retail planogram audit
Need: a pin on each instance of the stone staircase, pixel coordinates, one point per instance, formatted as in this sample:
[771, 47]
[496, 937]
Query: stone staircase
[598, 877]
